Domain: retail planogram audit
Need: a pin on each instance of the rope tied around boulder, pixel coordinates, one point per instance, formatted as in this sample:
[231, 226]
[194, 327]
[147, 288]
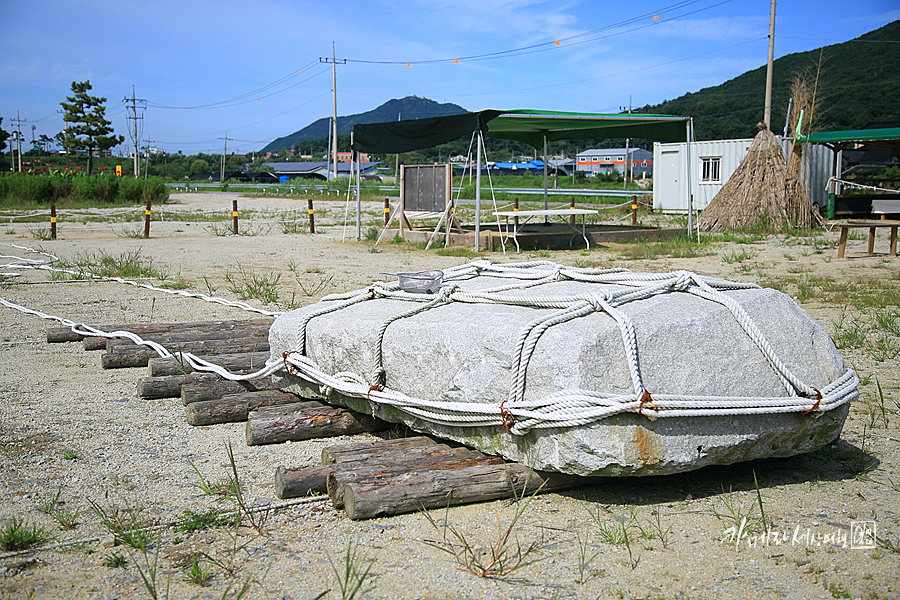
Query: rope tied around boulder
[570, 407]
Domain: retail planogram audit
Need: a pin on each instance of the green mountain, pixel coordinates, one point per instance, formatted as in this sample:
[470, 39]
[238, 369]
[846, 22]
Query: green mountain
[411, 107]
[859, 82]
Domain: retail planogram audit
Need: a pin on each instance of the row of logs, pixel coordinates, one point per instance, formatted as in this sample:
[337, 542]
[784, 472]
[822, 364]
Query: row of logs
[367, 480]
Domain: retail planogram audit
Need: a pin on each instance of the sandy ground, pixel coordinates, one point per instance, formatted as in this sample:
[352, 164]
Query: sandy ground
[68, 426]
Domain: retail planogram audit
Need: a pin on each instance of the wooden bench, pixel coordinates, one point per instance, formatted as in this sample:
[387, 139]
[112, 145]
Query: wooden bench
[872, 226]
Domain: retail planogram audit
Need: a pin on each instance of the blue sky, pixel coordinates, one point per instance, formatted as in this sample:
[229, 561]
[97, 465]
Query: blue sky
[252, 68]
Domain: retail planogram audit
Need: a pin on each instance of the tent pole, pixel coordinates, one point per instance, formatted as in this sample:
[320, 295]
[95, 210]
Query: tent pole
[478, 196]
[690, 228]
[358, 197]
[546, 203]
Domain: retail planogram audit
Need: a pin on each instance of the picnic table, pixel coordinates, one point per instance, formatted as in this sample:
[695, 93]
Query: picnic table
[527, 215]
[872, 226]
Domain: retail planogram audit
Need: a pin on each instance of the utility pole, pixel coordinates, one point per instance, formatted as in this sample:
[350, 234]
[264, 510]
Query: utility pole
[767, 118]
[334, 62]
[224, 152]
[19, 138]
[135, 104]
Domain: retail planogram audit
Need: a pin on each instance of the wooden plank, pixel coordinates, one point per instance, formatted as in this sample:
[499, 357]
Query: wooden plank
[893, 250]
[297, 483]
[430, 458]
[235, 363]
[213, 388]
[167, 339]
[415, 491]
[130, 355]
[65, 334]
[365, 450]
[842, 244]
[235, 408]
[871, 249]
[280, 424]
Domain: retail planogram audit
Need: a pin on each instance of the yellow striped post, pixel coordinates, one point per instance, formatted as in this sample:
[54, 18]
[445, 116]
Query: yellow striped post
[53, 221]
[234, 217]
[147, 221]
[312, 218]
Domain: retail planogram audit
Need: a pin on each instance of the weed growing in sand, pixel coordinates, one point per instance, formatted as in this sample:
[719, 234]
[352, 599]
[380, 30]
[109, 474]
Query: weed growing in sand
[500, 557]
[737, 517]
[351, 574]
[848, 332]
[190, 520]
[293, 225]
[197, 573]
[314, 288]
[70, 454]
[17, 534]
[43, 234]
[48, 505]
[115, 561]
[126, 523]
[584, 561]
[617, 531]
[733, 256]
[246, 284]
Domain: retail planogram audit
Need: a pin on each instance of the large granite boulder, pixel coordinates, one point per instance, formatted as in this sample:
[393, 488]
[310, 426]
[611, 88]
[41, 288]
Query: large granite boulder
[711, 361]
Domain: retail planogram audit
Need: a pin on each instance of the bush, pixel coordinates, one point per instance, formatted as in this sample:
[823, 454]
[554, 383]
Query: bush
[24, 189]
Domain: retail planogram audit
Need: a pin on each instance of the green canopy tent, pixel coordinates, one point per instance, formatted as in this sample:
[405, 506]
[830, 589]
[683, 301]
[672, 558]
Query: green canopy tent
[533, 127]
[838, 140]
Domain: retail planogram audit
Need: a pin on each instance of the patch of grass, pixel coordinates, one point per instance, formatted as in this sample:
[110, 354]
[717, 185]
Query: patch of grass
[732, 256]
[500, 557]
[293, 225]
[115, 561]
[70, 454]
[247, 284]
[736, 516]
[197, 573]
[678, 247]
[352, 573]
[189, 520]
[460, 251]
[125, 523]
[17, 534]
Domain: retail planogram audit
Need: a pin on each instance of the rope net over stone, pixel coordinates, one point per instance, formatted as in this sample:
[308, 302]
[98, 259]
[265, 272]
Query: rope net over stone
[568, 407]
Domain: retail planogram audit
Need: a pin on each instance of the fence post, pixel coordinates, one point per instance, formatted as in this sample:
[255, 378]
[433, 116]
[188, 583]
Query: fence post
[147, 221]
[234, 217]
[312, 218]
[572, 206]
[387, 211]
[516, 209]
[53, 221]
[634, 207]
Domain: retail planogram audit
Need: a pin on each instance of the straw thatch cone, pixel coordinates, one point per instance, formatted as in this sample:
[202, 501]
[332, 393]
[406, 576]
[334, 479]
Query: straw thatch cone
[761, 189]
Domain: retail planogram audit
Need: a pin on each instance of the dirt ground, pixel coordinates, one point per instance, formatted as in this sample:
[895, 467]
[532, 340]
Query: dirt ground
[79, 450]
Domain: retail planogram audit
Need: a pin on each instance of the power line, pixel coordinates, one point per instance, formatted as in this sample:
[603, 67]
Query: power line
[135, 105]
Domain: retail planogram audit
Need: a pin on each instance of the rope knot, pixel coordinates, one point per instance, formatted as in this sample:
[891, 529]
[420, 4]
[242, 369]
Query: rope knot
[506, 418]
[815, 406]
[647, 400]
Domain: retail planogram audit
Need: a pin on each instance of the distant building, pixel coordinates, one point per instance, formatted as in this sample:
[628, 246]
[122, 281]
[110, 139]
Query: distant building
[345, 157]
[604, 160]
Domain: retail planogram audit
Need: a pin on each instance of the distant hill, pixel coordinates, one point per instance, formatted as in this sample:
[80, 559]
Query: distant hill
[859, 83]
[411, 107]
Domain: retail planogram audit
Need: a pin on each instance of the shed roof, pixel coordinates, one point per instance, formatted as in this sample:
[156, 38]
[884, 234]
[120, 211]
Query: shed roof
[885, 138]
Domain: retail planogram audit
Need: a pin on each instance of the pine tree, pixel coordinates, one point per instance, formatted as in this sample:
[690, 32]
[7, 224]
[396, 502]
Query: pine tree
[88, 128]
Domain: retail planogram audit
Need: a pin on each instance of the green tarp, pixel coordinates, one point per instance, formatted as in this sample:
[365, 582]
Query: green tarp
[393, 137]
[528, 126]
[885, 138]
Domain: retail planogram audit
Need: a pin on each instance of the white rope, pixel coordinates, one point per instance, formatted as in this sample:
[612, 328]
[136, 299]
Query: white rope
[858, 185]
[566, 408]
